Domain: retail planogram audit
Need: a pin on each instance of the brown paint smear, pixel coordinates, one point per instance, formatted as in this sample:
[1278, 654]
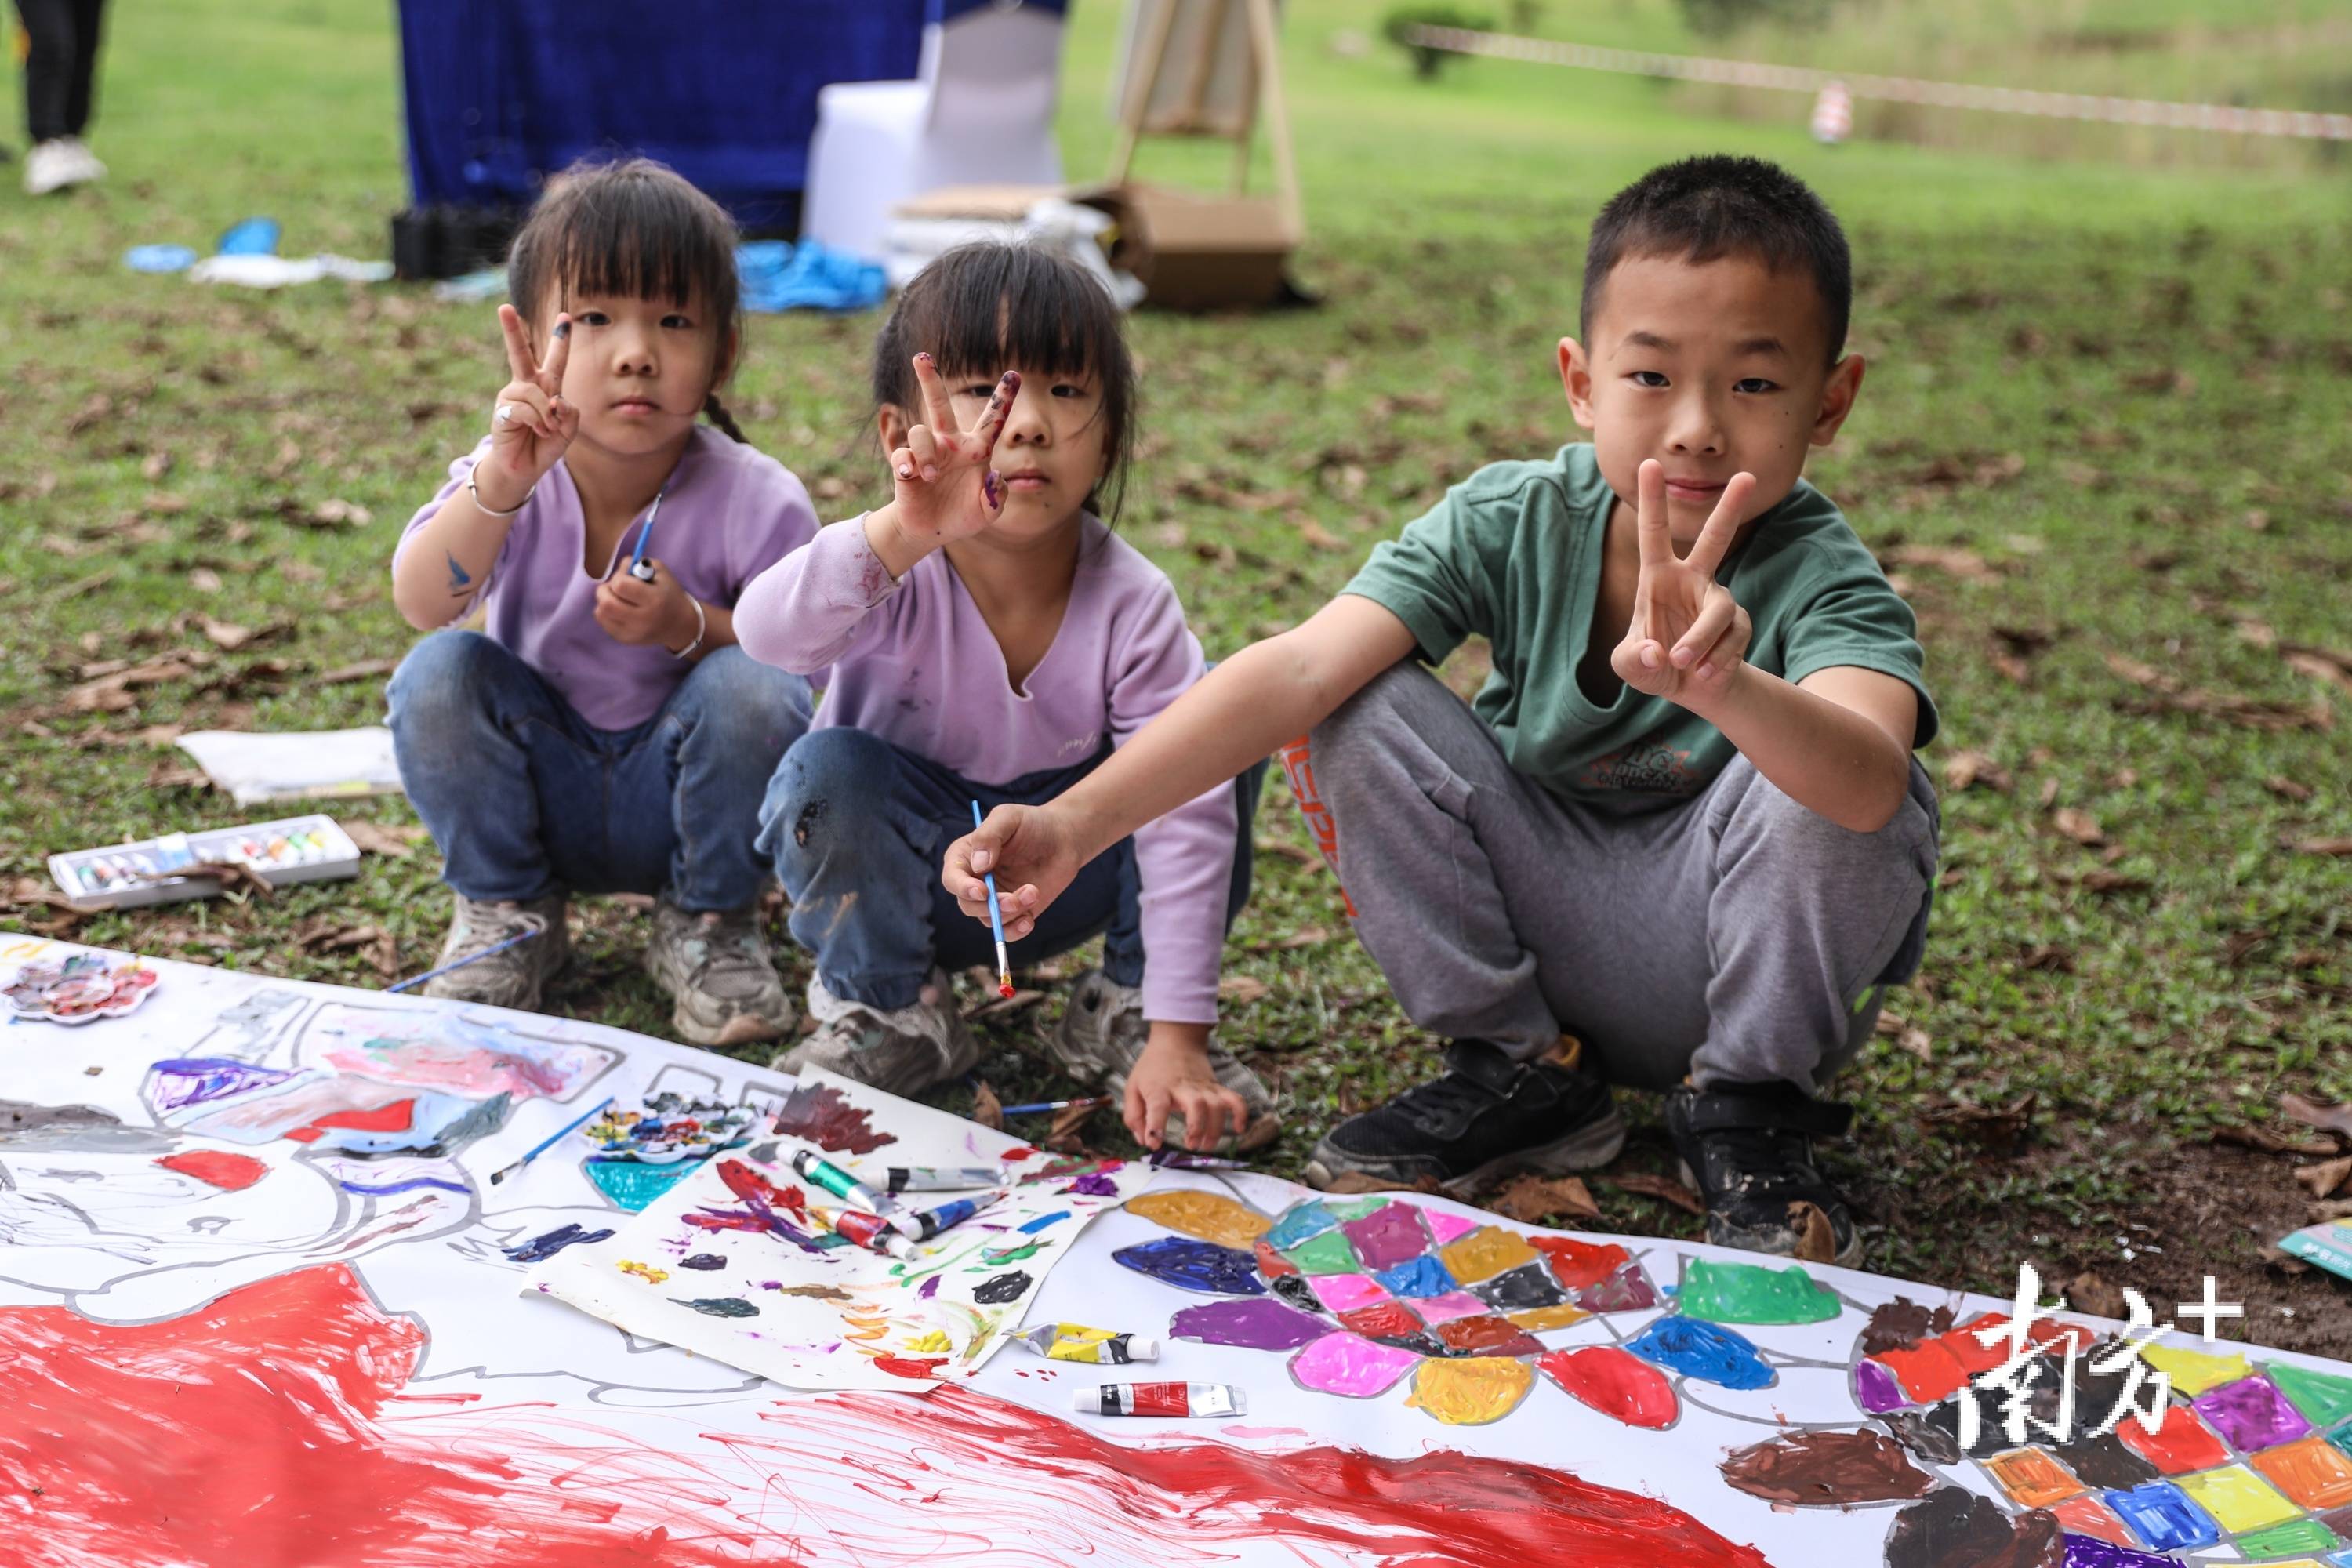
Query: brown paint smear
[1956, 1528]
[1902, 1323]
[1827, 1470]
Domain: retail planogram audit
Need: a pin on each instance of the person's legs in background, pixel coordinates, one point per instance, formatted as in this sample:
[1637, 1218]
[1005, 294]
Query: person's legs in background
[62, 40]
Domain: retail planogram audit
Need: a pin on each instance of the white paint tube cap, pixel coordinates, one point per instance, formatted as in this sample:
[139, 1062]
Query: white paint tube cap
[1141, 1349]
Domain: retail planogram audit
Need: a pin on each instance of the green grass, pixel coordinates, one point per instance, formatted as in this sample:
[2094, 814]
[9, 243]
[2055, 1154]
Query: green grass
[2096, 376]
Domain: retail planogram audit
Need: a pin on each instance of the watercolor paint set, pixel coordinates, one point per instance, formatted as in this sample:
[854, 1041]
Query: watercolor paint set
[124, 876]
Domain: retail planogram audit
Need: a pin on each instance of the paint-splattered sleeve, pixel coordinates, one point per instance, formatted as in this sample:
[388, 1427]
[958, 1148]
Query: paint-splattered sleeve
[818, 604]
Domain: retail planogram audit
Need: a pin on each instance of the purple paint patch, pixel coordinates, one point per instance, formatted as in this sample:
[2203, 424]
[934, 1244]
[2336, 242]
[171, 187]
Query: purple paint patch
[2251, 1413]
[1627, 1290]
[1260, 1324]
[930, 1287]
[2090, 1552]
[1876, 1388]
[1388, 1236]
[1093, 1184]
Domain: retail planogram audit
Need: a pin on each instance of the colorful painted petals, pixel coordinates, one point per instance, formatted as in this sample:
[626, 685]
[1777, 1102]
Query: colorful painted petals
[1298, 1222]
[1258, 1323]
[1207, 1217]
[1191, 1264]
[1388, 1236]
[1619, 1386]
[1703, 1351]
[1351, 1365]
[1473, 1392]
[1580, 1263]
[1751, 1293]
[1827, 1470]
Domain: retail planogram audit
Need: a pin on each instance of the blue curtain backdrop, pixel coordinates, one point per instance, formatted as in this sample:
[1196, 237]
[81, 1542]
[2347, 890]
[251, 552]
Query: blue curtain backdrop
[500, 93]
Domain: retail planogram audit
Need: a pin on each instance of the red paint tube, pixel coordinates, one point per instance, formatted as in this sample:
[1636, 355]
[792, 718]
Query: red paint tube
[1160, 1399]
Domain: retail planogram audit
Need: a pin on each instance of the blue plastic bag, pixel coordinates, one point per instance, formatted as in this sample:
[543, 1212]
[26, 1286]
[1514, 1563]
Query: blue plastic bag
[806, 277]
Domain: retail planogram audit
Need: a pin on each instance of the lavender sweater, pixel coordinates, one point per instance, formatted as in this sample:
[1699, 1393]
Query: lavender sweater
[912, 662]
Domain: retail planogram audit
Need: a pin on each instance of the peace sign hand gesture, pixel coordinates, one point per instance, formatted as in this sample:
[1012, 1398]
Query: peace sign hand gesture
[945, 488]
[532, 424]
[1687, 634]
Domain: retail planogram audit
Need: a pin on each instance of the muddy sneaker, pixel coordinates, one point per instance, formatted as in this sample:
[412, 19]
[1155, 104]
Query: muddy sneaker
[1747, 1150]
[904, 1050]
[1103, 1032]
[1484, 1119]
[513, 978]
[716, 965]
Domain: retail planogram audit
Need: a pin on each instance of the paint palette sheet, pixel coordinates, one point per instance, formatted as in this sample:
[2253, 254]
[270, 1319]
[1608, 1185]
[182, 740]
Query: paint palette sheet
[260, 1303]
[739, 1260]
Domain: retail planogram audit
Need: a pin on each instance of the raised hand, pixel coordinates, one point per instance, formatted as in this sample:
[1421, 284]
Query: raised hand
[1035, 852]
[530, 425]
[945, 487]
[1687, 634]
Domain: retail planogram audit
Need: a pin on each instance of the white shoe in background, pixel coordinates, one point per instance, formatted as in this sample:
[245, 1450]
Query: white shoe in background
[60, 163]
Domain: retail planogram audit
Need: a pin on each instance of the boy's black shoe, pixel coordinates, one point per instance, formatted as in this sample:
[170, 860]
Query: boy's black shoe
[1748, 1149]
[1486, 1117]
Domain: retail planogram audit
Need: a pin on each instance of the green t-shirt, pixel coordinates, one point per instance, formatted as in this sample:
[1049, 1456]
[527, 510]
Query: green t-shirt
[1514, 555]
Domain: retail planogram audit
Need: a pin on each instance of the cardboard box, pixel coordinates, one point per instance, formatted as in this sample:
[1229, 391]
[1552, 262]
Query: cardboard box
[1198, 253]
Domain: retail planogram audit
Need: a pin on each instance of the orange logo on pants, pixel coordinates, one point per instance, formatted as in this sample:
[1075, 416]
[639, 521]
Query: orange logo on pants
[1321, 826]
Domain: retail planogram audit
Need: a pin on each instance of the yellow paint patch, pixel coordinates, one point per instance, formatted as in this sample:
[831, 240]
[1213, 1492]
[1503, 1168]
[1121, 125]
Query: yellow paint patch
[1207, 1217]
[1473, 1392]
[934, 1343]
[1484, 1253]
[645, 1271]
[2194, 1372]
[2239, 1498]
[1535, 1319]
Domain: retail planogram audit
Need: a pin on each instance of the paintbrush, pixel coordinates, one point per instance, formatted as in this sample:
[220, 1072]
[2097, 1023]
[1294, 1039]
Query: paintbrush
[469, 958]
[640, 568]
[995, 923]
[554, 1138]
[1089, 1102]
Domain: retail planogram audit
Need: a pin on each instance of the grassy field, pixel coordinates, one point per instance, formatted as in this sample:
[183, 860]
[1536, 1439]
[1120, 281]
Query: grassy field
[2102, 444]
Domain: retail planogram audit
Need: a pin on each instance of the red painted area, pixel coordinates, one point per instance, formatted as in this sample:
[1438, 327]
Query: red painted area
[2181, 1445]
[925, 1368]
[1273, 1263]
[398, 1116]
[305, 1135]
[1928, 1371]
[1381, 1320]
[216, 1167]
[1487, 1335]
[2089, 1516]
[747, 1183]
[1615, 1383]
[1577, 1264]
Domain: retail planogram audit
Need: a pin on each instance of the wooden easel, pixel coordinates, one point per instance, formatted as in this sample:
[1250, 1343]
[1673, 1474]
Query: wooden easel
[1149, 109]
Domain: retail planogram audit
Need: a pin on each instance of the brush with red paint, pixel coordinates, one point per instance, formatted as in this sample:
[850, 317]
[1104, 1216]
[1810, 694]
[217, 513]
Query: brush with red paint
[996, 924]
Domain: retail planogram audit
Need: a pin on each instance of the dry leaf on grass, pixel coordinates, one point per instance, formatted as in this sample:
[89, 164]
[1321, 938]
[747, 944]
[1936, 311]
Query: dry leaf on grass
[2322, 1180]
[1816, 1242]
[986, 1108]
[1351, 1183]
[1966, 769]
[2087, 1292]
[1067, 1122]
[2338, 847]
[176, 776]
[365, 669]
[1998, 1128]
[2262, 1140]
[2336, 1118]
[1960, 562]
[2331, 1208]
[2327, 668]
[1663, 1187]
[371, 943]
[232, 877]
[1532, 1199]
[2079, 825]
[397, 842]
[32, 893]
[2286, 788]
[1242, 988]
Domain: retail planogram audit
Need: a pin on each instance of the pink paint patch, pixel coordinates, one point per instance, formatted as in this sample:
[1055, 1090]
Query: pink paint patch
[217, 1168]
[1346, 1292]
[1448, 1227]
[1249, 1434]
[1452, 1305]
[1351, 1365]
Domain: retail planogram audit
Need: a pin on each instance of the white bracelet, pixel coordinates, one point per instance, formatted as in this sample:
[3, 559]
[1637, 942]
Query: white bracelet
[701, 630]
[488, 510]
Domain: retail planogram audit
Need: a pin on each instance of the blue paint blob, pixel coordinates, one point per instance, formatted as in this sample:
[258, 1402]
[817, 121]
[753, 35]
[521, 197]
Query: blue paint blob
[2090, 1552]
[1298, 1224]
[720, 1306]
[540, 1247]
[410, 1185]
[2162, 1514]
[632, 1184]
[1706, 1351]
[705, 1261]
[1421, 1277]
[1043, 1220]
[1191, 1264]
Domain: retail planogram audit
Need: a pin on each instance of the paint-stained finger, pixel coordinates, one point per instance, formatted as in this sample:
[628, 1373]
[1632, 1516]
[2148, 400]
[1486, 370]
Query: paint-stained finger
[925, 448]
[550, 375]
[937, 407]
[1155, 1119]
[902, 463]
[998, 409]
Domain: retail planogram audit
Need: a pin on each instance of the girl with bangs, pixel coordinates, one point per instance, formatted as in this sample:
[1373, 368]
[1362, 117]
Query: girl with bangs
[985, 637]
[601, 732]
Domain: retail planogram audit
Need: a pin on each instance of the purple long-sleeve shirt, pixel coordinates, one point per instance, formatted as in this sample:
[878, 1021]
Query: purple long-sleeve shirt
[912, 662]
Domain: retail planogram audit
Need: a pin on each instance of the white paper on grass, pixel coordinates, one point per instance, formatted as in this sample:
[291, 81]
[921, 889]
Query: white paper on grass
[258, 768]
[829, 1319]
[95, 1223]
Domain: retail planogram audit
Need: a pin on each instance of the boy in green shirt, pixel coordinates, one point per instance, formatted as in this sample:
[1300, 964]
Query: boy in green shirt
[1680, 821]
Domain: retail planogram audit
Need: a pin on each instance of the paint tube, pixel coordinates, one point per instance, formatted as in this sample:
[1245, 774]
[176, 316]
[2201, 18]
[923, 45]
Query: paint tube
[941, 1179]
[871, 1231]
[1160, 1399]
[821, 1172]
[1098, 1347]
[929, 1223]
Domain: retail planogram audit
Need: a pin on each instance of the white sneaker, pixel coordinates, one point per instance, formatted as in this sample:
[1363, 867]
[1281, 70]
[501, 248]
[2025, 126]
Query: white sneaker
[85, 167]
[49, 166]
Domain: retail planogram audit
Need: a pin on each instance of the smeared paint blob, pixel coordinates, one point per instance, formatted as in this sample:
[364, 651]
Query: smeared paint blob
[1576, 1263]
[2031, 1477]
[1537, 1320]
[1445, 1227]
[720, 1306]
[632, 1186]
[412, 1185]
[1298, 1222]
[1706, 1351]
[1827, 1470]
[824, 1116]
[1270, 1263]
[936, 1342]
[1627, 1290]
[928, 1288]
[2252, 1413]
[1486, 1335]
[1527, 1287]
[921, 1369]
[1389, 1235]
[1751, 1293]
[1093, 1184]
[1992, 1435]
[218, 1168]
[706, 1261]
[1044, 1220]
[1470, 1392]
[1616, 1384]
[192, 1081]
[1347, 1209]
[1874, 1389]
[1257, 1323]
[2324, 1397]
[645, 1271]
[1206, 1216]
[1326, 1254]
[2161, 1515]
[2104, 1463]
[814, 1292]
[1954, 1529]
[1296, 1289]
[1926, 1440]
[1191, 1264]
[2194, 1372]
[2181, 1443]
[548, 1244]
[1424, 1275]
[1926, 1372]
[746, 1182]
[1345, 1293]
[2237, 1498]
[1351, 1365]
[1007, 1286]
[2090, 1551]
[2315, 1473]
[1901, 1323]
[1484, 1253]
[1445, 1309]
[998, 1256]
[1390, 1321]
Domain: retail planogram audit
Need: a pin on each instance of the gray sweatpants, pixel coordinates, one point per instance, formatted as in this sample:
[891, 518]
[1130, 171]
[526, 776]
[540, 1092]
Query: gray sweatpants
[1735, 938]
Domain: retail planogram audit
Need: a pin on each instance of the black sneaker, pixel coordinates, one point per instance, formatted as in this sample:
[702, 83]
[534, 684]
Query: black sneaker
[1486, 1117]
[1748, 1149]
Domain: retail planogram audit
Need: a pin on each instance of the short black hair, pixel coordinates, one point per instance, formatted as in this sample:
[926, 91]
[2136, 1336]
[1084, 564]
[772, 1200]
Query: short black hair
[983, 307]
[1703, 209]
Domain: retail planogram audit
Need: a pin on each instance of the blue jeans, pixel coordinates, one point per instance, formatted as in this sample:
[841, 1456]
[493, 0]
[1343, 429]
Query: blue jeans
[858, 828]
[525, 798]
